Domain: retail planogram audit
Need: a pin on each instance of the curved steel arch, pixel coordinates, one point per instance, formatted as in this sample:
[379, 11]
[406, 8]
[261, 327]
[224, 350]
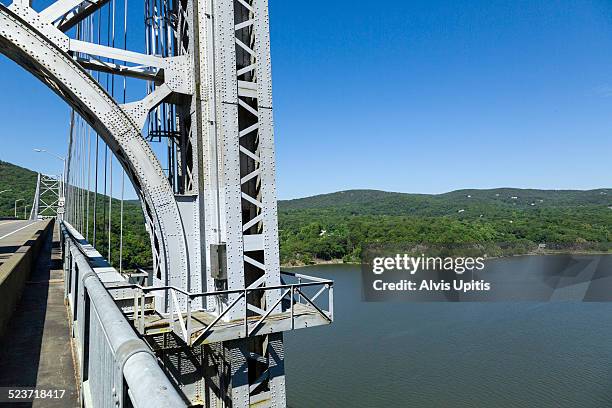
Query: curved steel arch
[23, 41]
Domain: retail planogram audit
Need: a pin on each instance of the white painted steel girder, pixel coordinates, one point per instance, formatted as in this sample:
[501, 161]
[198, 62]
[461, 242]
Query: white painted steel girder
[42, 49]
[231, 202]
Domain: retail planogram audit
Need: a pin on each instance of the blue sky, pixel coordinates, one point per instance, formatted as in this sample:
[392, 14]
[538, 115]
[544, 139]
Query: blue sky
[410, 96]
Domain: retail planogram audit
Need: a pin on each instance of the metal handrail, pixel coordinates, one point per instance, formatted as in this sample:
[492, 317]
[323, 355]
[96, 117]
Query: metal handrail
[111, 356]
[186, 326]
[146, 289]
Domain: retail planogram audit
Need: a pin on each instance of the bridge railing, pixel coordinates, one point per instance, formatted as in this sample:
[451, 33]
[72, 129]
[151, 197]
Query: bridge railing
[313, 293]
[117, 368]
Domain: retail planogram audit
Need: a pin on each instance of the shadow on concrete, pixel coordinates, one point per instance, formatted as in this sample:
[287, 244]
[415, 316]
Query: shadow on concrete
[37, 350]
[20, 347]
[11, 249]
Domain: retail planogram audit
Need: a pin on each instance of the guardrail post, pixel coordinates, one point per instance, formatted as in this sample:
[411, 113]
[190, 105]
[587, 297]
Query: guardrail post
[67, 271]
[171, 308]
[135, 311]
[292, 294]
[85, 341]
[142, 312]
[330, 288]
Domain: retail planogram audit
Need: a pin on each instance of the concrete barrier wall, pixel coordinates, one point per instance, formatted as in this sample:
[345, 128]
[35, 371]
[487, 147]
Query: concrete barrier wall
[17, 269]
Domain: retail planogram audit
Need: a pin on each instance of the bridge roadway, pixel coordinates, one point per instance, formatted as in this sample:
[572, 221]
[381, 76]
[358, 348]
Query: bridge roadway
[13, 234]
[8, 227]
[36, 350]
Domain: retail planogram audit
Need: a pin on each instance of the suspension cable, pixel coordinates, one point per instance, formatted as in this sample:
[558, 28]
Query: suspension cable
[125, 13]
[82, 210]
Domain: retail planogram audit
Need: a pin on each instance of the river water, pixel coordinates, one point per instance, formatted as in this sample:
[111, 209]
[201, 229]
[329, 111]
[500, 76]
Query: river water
[521, 354]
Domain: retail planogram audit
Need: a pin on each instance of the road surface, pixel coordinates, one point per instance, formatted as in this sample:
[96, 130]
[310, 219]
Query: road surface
[13, 234]
[10, 227]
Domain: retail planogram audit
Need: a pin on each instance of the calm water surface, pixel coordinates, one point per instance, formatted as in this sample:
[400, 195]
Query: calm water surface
[450, 354]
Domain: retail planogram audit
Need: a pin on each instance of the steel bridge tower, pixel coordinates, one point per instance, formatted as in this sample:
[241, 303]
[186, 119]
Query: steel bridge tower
[211, 213]
[48, 198]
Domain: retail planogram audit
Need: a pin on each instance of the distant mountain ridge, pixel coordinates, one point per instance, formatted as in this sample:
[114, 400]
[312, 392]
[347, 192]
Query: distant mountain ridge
[508, 220]
[376, 202]
[339, 225]
[22, 183]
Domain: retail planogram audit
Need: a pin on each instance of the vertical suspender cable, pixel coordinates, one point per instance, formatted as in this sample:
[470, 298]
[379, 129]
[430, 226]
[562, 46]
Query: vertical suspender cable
[97, 161]
[110, 205]
[95, 198]
[112, 92]
[82, 175]
[81, 163]
[88, 179]
[89, 38]
[75, 167]
[105, 197]
[78, 174]
[123, 171]
[121, 224]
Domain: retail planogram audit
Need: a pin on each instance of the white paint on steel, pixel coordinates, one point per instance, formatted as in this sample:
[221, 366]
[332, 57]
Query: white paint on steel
[41, 49]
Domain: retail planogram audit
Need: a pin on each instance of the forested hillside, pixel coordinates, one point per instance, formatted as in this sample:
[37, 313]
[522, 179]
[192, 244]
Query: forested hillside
[339, 225]
[21, 184]
[374, 202]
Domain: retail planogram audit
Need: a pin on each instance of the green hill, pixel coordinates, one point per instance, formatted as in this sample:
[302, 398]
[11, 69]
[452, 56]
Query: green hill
[339, 225]
[21, 184]
[374, 202]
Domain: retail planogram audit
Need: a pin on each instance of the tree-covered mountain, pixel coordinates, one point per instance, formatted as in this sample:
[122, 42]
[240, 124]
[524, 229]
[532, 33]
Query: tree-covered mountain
[21, 184]
[339, 225]
[374, 202]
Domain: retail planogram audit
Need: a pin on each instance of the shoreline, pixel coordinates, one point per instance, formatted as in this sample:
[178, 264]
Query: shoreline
[319, 262]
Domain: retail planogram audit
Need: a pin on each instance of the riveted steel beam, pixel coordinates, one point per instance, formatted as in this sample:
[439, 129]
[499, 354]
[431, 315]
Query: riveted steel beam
[42, 50]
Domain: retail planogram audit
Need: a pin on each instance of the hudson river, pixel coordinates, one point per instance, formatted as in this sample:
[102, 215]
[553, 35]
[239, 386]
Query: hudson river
[450, 354]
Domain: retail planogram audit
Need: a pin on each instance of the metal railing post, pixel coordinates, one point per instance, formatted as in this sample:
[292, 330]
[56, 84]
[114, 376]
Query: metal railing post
[135, 311]
[292, 294]
[330, 288]
[142, 312]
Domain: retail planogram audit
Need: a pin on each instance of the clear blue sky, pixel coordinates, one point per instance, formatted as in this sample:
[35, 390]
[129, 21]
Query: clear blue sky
[411, 96]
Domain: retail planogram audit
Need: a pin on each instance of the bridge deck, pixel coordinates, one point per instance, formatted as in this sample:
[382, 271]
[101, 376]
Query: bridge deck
[13, 234]
[36, 352]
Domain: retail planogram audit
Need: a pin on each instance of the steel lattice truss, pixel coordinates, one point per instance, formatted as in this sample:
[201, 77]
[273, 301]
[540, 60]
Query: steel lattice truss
[211, 213]
[47, 198]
